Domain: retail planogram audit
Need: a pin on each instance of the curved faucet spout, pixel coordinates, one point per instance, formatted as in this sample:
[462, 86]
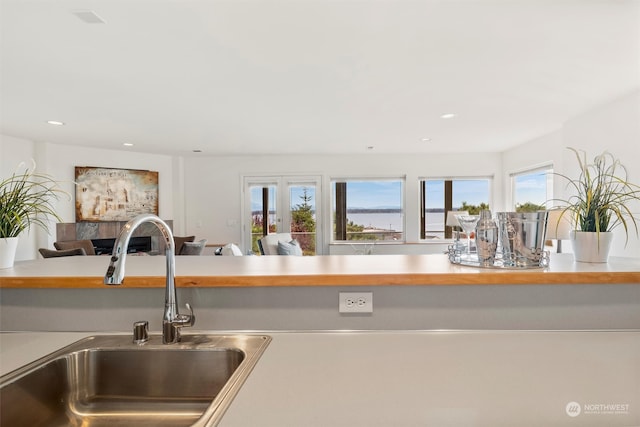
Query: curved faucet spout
[172, 320]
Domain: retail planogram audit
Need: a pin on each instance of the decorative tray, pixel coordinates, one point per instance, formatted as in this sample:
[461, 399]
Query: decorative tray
[458, 255]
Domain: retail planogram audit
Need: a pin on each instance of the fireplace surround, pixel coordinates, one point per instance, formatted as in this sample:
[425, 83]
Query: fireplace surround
[103, 234]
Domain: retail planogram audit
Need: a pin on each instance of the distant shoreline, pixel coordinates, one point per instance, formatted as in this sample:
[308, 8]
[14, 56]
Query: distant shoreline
[387, 210]
[368, 211]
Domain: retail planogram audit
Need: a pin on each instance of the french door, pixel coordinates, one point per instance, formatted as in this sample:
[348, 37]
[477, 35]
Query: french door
[283, 204]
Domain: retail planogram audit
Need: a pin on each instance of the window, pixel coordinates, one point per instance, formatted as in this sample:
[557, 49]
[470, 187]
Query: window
[282, 205]
[439, 196]
[368, 209]
[532, 188]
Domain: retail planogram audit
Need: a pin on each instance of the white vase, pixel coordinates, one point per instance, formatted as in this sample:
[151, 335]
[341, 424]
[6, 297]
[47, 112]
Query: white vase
[590, 246]
[8, 246]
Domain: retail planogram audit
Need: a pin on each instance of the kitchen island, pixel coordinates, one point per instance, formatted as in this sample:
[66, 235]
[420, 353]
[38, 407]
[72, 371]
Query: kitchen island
[410, 292]
[422, 378]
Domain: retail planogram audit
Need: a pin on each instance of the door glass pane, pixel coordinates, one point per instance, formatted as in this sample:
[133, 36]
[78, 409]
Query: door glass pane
[262, 201]
[302, 201]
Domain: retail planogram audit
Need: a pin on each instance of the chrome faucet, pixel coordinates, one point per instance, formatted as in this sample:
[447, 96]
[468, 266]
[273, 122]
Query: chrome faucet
[172, 321]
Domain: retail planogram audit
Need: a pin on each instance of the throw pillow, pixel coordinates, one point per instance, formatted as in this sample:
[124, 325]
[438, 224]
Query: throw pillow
[231, 249]
[289, 248]
[193, 248]
[178, 241]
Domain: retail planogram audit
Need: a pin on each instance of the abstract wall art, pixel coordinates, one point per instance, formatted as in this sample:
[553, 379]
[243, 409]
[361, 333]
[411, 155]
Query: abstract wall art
[106, 194]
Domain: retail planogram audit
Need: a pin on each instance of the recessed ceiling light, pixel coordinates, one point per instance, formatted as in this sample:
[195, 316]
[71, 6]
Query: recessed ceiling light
[127, 144]
[426, 139]
[55, 123]
[447, 116]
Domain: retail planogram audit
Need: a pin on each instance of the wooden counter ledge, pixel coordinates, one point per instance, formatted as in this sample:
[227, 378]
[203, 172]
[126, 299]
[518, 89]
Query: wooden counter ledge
[334, 270]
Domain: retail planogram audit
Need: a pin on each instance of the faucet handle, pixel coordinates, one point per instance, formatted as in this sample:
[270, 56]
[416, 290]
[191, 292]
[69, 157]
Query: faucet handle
[171, 328]
[185, 320]
[190, 318]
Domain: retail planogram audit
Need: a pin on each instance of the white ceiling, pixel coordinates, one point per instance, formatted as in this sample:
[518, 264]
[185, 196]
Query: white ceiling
[310, 76]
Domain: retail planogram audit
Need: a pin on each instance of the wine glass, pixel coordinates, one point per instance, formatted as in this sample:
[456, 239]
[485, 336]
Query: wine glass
[468, 224]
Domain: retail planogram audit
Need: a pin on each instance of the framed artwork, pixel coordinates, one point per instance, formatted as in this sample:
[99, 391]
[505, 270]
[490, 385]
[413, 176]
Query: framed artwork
[105, 194]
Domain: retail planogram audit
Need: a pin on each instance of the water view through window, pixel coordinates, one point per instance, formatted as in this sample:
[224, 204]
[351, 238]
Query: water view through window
[374, 209]
[368, 210]
[531, 189]
[442, 195]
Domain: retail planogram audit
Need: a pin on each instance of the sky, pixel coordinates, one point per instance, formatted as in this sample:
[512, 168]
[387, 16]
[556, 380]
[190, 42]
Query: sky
[377, 194]
[374, 194]
[531, 188]
[473, 192]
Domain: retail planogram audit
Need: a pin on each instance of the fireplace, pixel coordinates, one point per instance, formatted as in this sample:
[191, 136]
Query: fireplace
[136, 244]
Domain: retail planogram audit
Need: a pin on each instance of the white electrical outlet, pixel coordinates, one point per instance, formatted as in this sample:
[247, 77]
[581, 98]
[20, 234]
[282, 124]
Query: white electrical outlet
[355, 302]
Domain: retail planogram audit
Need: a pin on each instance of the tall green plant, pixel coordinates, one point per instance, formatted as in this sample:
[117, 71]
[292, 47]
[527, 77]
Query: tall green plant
[26, 199]
[602, 195]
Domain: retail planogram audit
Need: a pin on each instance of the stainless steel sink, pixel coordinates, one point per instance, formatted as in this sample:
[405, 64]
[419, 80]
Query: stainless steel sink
[107, 380]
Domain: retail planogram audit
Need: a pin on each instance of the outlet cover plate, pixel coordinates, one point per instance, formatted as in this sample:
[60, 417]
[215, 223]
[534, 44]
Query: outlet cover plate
[355, 302]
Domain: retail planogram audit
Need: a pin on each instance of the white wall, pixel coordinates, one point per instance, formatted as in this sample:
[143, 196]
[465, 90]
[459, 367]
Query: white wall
[614, 127]
[59, 161]
[13, 151]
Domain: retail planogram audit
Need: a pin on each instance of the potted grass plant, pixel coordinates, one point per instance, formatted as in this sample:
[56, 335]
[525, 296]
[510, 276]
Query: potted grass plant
[26, 199]
[602, 199]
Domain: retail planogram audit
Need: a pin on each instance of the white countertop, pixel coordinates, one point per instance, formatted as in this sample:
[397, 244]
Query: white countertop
[421, 378]
[329, 270]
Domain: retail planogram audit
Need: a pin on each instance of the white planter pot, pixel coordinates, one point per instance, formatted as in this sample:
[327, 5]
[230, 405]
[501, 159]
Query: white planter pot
[8, 246]
[590, 246]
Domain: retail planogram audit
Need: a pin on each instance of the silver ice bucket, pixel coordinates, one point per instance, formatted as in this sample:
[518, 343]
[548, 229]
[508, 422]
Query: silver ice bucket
[522, 237]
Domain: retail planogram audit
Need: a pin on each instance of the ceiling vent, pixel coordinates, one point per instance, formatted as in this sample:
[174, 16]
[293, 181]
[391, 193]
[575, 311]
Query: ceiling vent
[89, 16]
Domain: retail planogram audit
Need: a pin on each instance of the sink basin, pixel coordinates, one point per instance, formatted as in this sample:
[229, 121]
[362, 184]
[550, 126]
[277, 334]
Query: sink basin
[108, 380]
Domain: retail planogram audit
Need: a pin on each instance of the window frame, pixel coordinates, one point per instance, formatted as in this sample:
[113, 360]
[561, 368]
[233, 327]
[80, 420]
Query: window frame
[331, 206]
[546, 168]
[448, 199]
